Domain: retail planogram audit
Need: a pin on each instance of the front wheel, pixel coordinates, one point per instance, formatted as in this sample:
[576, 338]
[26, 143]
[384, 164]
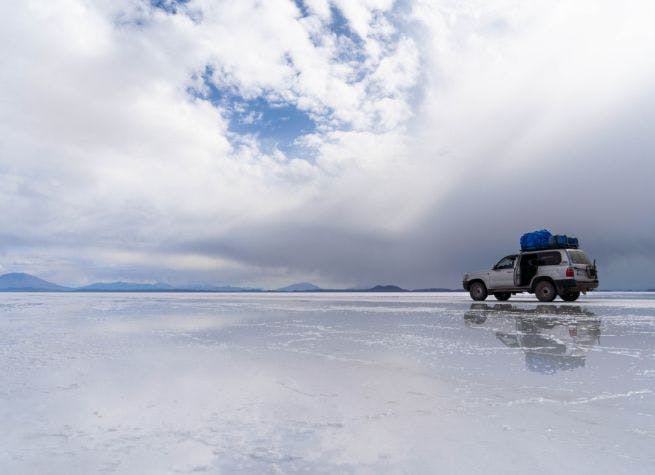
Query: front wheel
[502, 296]
[570, 296]
[478, 291]
[545, 291]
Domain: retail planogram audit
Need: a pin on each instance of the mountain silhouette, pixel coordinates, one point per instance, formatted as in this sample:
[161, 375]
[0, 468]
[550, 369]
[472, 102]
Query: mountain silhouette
[21, 282]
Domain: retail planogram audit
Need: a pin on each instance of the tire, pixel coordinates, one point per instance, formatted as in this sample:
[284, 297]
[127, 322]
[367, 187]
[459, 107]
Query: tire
[545, 291]
[570, 296]
[478, 291]
[502, 296]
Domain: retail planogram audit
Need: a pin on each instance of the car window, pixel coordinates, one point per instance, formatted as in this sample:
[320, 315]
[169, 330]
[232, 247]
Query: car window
[505, 263]
[579, 257]
[551, 258]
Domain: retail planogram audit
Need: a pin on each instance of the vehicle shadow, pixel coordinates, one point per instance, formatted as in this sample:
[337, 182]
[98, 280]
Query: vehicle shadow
[552, 337]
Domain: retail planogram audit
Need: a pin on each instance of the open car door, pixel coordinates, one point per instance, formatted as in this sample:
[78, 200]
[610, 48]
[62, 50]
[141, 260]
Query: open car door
[517, 271]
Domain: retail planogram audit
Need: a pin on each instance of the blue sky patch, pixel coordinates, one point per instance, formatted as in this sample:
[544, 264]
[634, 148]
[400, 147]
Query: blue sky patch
[341, 27]
[169, 6]
[276, 123]
[351, 45]
[302, 7]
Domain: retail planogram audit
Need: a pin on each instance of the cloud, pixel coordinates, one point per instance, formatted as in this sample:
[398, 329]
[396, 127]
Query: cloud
[350, 142]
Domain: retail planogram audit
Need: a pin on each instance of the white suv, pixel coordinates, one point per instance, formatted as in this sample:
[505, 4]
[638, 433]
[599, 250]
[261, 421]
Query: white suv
[546, 273]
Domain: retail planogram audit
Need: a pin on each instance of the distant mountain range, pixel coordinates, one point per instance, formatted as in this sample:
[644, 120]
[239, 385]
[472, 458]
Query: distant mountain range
[300, 287]
[124, 287]
[21, 282]
[159, 287]
[18, 281]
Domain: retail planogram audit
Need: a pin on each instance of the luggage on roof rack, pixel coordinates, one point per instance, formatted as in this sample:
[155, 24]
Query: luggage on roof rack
[562, 241]
[543, 239]
[535, 240]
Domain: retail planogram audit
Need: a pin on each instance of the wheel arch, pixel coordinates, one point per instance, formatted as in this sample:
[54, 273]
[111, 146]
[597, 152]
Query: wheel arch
[478, 279]
[541, 278]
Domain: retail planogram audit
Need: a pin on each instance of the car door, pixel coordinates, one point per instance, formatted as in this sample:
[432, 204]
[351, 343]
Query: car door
[502, 274]
[517, 271]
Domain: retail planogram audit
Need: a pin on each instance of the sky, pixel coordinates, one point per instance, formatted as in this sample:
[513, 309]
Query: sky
[342, 142]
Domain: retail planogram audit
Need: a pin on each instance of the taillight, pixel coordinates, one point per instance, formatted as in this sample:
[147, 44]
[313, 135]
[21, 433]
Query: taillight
[569, 272]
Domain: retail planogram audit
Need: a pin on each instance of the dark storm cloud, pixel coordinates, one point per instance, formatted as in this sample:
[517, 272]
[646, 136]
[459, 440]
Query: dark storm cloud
[598, 187]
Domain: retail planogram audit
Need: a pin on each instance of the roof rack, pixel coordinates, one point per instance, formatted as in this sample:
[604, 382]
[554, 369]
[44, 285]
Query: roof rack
[550, 248]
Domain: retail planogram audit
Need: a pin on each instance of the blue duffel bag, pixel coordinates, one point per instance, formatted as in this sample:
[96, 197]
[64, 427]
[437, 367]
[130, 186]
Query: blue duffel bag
[536, 240]
[560, 241]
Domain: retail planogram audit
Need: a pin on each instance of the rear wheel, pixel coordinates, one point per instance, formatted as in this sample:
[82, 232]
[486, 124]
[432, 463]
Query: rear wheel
[478, 291]
[570, 296]
[502, 296]
[545, 291]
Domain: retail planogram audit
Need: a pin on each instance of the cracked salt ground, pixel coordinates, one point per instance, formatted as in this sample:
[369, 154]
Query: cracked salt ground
[257, 383]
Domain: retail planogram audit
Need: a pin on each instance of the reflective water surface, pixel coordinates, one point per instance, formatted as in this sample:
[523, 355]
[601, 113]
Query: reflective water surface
[252, 383]
[552, 337]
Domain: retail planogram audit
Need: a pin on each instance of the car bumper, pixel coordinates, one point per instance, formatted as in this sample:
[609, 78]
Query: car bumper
[572, 284]
[466, 285]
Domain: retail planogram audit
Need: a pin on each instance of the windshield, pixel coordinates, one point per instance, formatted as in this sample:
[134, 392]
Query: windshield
[579, 257]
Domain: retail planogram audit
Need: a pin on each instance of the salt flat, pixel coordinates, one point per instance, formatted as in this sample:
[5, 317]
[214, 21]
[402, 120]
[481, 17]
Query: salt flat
[348, 383]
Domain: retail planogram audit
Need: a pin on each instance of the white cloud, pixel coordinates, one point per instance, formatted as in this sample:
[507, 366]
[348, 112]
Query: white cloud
[102, 147]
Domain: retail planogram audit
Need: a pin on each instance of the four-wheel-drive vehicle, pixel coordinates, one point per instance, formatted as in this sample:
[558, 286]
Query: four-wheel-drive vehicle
[546, 273]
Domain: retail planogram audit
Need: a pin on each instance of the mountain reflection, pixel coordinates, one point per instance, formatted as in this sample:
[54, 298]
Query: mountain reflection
[552, 337]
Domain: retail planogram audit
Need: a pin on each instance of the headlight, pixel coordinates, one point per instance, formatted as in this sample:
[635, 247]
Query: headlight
[466, 277]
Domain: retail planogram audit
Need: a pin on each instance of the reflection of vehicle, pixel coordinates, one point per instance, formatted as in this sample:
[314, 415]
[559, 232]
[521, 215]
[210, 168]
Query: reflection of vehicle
[546, 273]
[552, 338]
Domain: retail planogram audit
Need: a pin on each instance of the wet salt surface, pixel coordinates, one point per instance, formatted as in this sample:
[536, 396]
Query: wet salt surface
[259, 383]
